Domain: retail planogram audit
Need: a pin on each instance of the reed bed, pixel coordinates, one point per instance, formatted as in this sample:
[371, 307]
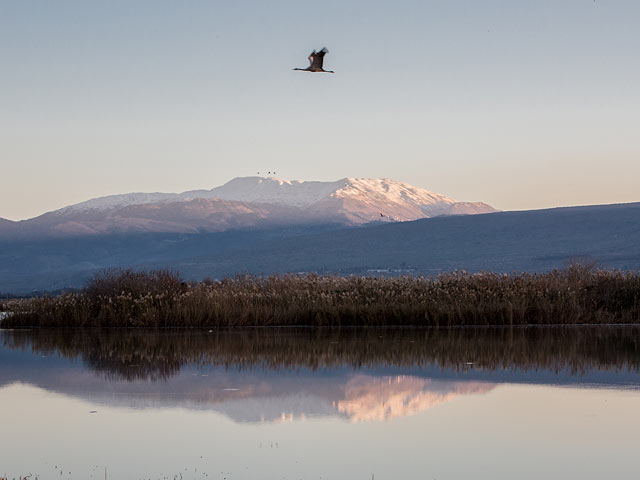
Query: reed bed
[126, 298]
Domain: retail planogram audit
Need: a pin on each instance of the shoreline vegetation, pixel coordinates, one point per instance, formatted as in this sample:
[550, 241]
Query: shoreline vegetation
[579, 294]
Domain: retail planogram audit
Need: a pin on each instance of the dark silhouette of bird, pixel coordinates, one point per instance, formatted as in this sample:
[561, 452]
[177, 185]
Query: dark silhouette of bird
[315, 62]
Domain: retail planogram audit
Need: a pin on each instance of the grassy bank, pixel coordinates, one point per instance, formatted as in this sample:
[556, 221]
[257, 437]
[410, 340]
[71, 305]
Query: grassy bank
[124, 298]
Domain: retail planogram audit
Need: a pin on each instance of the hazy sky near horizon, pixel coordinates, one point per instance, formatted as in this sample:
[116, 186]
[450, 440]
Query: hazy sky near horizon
[521, 104]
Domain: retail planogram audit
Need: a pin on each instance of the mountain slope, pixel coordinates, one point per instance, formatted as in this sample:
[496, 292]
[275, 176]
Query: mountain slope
[538, 240]
[4, 223]
[199, 215]
[503, 242]
[246, 203]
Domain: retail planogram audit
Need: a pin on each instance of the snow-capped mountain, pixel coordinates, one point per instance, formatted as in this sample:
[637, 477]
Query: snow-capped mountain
[248, 202]
[295, 193]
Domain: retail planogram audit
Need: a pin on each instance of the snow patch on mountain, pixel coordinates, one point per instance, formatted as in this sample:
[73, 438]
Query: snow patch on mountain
[123, 200]
[294, 193]
[389, 191]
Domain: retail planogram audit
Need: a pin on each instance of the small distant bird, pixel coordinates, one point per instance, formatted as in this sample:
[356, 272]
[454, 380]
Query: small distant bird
[315, 62]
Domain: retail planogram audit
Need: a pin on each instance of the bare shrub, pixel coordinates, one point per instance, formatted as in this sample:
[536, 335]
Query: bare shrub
[113, 282]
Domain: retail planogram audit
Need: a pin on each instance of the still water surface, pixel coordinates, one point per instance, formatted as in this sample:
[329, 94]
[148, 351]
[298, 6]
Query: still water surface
[321, 404]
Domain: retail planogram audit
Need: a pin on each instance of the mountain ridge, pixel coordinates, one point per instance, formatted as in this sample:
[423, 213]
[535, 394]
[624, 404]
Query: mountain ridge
[246, 202]
[274, 190]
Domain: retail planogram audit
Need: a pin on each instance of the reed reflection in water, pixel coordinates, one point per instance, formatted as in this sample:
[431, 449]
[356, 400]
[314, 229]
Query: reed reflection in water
[156, 355]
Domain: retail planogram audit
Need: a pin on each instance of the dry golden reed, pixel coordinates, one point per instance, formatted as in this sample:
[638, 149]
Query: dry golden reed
[125, 298]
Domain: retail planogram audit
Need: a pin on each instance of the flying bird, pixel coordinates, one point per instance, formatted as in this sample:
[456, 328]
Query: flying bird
[315, 62]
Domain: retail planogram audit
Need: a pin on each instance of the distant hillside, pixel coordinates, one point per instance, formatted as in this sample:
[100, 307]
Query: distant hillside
[507, 241]
[6, 226]
[251, 202]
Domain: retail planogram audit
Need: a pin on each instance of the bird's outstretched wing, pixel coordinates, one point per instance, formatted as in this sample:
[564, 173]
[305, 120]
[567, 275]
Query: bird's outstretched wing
[312, 56]
[317, 58]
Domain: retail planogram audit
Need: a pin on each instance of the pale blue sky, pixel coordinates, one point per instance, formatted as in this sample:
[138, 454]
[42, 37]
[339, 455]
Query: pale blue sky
[521, 104]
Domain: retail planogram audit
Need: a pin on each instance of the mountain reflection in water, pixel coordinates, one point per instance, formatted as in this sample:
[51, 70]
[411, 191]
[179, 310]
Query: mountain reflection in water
[254, 375]
[367, 398]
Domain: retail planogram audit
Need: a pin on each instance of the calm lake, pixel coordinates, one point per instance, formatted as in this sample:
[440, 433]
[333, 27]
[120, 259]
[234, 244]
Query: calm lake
[525, 403]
